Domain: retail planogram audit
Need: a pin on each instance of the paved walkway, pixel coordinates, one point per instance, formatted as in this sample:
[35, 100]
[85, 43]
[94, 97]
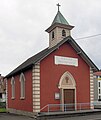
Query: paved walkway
[7, 116]
[56, 115]
[76, 115]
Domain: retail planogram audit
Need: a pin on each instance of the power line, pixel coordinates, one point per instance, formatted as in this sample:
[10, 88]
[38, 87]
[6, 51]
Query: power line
[88, 37]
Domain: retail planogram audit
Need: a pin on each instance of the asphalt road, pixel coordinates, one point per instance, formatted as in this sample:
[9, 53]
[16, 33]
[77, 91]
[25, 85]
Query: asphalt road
[5, 116]
[86, 117]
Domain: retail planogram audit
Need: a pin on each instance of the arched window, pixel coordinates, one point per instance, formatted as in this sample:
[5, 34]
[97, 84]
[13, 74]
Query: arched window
[13, 87]
[53, 35]
[22, 86]
[63, 33]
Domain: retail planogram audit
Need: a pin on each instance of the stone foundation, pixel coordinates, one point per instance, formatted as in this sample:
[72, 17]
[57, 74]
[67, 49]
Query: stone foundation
[20, 112]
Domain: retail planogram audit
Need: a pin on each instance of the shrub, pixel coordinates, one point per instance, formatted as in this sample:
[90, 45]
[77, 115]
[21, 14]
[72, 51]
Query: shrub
[2, 104]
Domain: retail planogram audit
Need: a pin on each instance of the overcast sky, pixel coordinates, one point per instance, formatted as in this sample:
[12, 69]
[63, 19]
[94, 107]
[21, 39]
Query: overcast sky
[23, 24]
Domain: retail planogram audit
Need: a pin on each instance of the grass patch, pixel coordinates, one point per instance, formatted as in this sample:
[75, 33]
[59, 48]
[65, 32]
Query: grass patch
[2, 109]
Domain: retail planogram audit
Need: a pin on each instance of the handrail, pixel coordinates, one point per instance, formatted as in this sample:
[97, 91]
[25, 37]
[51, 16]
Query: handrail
[80, 106]
[44, 107]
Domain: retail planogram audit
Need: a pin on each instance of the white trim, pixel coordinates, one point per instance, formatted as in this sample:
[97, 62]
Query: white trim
[63, 96]
[12, 80]
[22, 86]
[36, 92]
[36, 100]
[36, 81]
[6, 94]
[37, 103]
[66, 61]
[13, 88]
[36, 77]
[91, 88]
[36, 87]
[22, 76]
[62, 87]
[68, 74]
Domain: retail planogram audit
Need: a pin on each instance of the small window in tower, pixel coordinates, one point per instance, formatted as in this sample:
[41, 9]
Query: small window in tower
[53, 35]
[63, 33]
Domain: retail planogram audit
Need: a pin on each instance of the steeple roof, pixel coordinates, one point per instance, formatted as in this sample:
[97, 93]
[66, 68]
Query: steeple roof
[59, 18]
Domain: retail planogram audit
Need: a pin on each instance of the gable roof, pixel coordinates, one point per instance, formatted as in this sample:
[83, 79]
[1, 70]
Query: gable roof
[41, 55]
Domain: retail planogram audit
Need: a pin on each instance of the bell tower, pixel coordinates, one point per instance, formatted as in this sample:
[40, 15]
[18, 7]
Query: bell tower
[59, 29]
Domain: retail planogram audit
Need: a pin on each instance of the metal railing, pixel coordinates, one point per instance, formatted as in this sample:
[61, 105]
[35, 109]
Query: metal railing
[66, 107]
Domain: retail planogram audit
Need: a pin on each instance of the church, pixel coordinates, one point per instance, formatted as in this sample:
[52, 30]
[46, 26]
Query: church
[61, 74]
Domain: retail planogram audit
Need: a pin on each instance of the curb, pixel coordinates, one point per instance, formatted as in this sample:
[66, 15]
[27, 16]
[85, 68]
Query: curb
[45, 116]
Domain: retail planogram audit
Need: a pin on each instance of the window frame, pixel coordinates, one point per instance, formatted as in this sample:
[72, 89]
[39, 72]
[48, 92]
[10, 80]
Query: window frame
[22, 86]
[12, 88]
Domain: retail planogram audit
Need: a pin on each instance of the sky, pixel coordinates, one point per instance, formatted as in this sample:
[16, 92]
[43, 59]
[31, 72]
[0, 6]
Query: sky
[23, 24]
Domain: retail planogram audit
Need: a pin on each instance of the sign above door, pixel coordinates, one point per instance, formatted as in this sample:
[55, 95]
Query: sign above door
[66, 61]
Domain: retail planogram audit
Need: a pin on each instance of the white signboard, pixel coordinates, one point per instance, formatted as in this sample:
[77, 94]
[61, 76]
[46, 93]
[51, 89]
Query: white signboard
[66, 61]
[57, 96]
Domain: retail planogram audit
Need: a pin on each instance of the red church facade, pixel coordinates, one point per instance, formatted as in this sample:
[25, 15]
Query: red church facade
[51, 74]
[60, 74]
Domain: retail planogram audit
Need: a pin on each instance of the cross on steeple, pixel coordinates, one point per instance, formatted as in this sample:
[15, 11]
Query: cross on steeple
[58, 6]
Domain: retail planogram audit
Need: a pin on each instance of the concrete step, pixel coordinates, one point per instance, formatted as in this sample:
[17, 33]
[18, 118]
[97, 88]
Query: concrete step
[50, 115]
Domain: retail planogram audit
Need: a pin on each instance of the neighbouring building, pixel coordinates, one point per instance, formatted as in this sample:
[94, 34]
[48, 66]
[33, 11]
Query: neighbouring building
[2, 89]
[60, 74]
[97, 89]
